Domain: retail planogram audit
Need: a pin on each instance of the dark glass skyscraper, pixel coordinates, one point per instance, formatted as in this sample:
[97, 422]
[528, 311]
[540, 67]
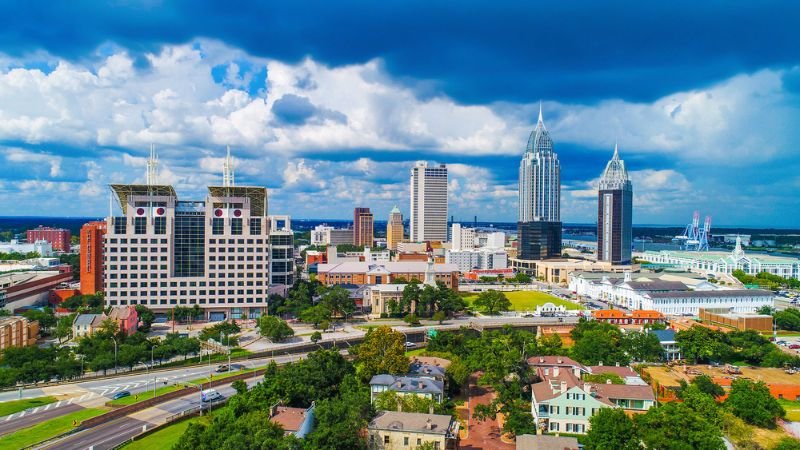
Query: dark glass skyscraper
[614, 213]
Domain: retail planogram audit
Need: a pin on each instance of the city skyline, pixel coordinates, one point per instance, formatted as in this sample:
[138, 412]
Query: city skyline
[710, 130]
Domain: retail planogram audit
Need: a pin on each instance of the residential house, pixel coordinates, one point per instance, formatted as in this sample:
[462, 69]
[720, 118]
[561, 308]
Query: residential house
[126, 317]
[391, 430]
[86, 324]
[563, 403]
[667, 340]
[407, 385]
[545, 442]
[295, 421]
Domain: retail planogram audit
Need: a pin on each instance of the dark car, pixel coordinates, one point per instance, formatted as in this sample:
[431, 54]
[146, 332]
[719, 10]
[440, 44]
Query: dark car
[121, 394]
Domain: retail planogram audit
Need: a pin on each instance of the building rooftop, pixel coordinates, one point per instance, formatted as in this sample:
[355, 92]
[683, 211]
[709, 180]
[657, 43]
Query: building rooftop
[664, 336]
[414, 422]
[291, 419]
[411, 384]
[422, 369]
[85, 319]
[656, 285]
[716, 256]
[544, 442]
[392, 267]
[712, 294]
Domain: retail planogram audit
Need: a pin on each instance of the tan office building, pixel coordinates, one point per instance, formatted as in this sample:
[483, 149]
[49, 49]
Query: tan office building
[394, 229]
[17, 332]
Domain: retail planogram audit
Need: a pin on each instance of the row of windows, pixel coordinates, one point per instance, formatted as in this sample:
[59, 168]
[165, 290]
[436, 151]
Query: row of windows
[185, 293]
[184, 301]
[235, 249]
[125, 276]
[137, 267]
[113, 284]
[134, 258]
[136, 249]
[387, 440]
[236, 258]
[136, 241]
[234, 266]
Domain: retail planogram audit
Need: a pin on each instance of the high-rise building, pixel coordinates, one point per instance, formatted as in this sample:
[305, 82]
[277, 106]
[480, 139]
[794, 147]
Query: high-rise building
[539, 224]
[614, 213]
[428, 202]
[363, 227]
[59, 238]
[394, 229]
[215, 253]
[539, 178]
[91, 258]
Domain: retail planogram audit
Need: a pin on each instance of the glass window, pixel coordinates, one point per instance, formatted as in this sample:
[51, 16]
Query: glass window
[120, 225]
[236, 226]
[140, 225]
[160, 226]
[217, 225]
[189, 246]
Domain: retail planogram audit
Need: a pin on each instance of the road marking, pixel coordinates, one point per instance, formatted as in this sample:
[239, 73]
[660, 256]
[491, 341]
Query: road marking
[35, 409]
[9, 417]
[59, 403]
[47, 407]
[22, 414]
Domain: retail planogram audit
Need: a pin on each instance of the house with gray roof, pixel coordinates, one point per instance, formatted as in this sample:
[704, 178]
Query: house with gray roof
[407, 385]
[403, 430]
[86, 324]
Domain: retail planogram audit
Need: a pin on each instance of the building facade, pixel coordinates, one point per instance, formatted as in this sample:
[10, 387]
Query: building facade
[539, 218]
[363, 227]
[215, 253]
[714, 263]
[361, 273]
[690, 302]
[539, 240]
[31, 288]
[614, 213]
[394, 430]
[91, 257]
[428, 202]
[17, 331]
[481, 258]
[42, 247]
[59, 238]
[539, 178]
[394, 229]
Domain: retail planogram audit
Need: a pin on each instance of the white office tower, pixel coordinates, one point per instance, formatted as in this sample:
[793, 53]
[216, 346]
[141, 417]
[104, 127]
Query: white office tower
[220, 253]
[539, 178]
[428, 202]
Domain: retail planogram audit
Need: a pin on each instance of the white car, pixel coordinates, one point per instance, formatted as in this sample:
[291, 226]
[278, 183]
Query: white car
[410, 345]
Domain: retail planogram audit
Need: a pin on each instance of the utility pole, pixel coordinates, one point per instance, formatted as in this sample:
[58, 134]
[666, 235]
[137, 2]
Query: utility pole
[115, 354]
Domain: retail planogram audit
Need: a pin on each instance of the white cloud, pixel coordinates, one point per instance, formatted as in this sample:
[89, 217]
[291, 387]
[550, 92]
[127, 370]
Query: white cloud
[18, 155]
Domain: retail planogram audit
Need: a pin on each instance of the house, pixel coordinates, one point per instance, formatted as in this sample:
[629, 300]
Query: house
[563, 403]
[424, 369]
[667, 340]
[126, 317]
[391, 430]
[407, 385]
[544, 442]
[86, 324]
[295, 421]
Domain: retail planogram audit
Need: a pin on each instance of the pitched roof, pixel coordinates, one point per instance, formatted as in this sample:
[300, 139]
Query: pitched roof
[657, 285]
[664, 335]
[622, 371]
[87, 319]
[413, 422]
[646, 314]
[609, 314]
[391, 266]
[712, 294]
[410, 384]
[544, 442]
[560, 361]
[291, 419]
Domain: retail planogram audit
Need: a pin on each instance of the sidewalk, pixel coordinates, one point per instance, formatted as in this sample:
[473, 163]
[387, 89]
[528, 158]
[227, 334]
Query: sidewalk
[486, 434]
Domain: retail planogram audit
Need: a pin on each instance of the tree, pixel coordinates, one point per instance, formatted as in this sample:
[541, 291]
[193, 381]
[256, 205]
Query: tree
[701, 344]
[676, 426]
[701, 403]
[64, 327]
[787, 443]
[46, 317]
[522, 278]
[551, 345]
[383, 351]
[610, 429]
[390, 401]
[597, 342]
[274, 328]
[642, 346]
[706, 385]
[240, 386]
[316, 315]
[316, 337]
[146, 317]
[492, 301]
[766, 309]
[439, 316]
[411, 295]
[337, 300]
[752, 402]
[411, 319]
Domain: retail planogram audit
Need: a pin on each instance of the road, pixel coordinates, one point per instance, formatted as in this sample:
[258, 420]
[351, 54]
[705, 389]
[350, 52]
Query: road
[115, 432]
[92, 394]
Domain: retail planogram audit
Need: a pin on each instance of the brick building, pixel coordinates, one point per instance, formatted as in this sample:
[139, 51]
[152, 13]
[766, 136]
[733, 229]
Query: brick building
[91, 263]
[17, 332]
[59, 238]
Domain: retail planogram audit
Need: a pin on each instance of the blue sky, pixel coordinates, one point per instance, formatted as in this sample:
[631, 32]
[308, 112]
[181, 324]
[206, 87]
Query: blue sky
[330, 103]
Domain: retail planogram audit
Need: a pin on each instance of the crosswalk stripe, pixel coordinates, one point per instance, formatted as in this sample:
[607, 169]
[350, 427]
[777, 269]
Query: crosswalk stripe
[59, 403]
[47, 407]
[22, 414]
[35, 409]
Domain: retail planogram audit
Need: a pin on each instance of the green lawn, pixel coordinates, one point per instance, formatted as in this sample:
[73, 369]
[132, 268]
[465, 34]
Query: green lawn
[46, 430]
[415, 352]
[529, 300]
[11, 407]
[792, 409]
[164, 438]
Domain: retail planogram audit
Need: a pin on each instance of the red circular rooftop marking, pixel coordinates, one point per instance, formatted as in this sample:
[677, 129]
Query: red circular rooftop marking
[160, 211]
[237, 213]
[218, 213]
[139, 211]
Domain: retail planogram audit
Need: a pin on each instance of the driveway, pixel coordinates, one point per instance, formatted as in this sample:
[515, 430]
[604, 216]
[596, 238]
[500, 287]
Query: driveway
[486, 434]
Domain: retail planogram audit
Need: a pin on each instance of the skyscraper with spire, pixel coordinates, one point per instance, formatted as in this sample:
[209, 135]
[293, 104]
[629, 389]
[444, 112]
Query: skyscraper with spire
[539, 225]
[614, 213]
[394, 229]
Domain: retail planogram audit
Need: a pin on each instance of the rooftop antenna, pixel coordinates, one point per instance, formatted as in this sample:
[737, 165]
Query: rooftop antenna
[152, 167]
[227, 170]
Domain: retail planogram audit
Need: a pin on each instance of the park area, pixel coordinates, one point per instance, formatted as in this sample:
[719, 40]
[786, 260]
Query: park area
[522, 301]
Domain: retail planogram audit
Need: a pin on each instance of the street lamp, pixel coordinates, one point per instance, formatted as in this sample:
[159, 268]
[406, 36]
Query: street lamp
[115, 354]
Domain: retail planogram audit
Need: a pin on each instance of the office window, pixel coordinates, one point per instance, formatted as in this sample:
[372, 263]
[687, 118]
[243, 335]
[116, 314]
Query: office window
[217, 225]
[120, 226]
[236, 226]
[140, 225]
[160, 226]
[189, 246]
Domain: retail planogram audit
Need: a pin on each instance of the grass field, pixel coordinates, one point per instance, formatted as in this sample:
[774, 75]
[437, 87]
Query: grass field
[46, 430]
[11, 407]
[792, 409]
[529, 300]
[163, 438]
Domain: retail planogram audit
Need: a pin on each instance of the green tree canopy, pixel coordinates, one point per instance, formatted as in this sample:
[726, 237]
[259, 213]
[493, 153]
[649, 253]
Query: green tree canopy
[677, 426]
[492, 302]
[752, 402]
[383, 351]
[274, 328]
[610, 429]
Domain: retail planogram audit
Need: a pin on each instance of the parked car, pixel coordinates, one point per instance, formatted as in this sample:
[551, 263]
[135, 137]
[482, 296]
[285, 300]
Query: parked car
[794, 346]
[222, 368]
[120, 395]
[410, 345]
